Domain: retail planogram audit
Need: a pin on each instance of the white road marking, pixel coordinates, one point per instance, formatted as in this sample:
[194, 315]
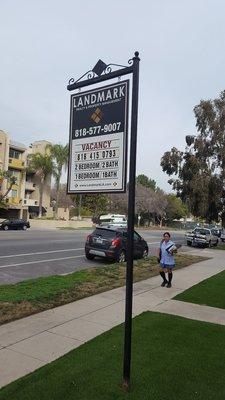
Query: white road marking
[49, 252]
[48, 260]
[39, 261]
[41, 252]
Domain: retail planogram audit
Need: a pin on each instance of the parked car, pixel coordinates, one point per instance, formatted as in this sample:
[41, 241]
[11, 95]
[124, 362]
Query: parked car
[222, 235]
[14, 224]
[216, 231]
[111, 243]
[116, 220]
[202, 237]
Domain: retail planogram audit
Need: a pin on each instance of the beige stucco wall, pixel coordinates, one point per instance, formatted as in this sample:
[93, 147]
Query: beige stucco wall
[51, 224]
[63, 213]
[4, 150]
[4, 155]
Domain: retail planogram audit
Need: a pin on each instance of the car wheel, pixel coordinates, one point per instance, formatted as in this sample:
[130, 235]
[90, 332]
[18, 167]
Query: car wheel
[145, 254]
[24, 227]
[6, 228]
[121, 257]
[188, 243]
[89, 256]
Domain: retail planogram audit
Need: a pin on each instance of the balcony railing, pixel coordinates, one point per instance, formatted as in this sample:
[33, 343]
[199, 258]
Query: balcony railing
[30, 185]
[15, 163]
[30, 202]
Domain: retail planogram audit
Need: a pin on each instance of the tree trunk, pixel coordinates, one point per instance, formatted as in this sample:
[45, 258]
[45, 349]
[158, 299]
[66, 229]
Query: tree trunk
[41, 198]
[223, 219]
[79, 206]
[160, 222]
[57, 197]
[7, 191]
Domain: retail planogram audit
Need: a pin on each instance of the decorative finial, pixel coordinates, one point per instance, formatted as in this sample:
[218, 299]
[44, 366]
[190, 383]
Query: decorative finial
[136, 53]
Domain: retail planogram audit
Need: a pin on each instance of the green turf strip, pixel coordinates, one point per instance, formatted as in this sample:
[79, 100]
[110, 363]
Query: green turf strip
[210, 292]
[172, 359]
[35, 295]
[220, 246]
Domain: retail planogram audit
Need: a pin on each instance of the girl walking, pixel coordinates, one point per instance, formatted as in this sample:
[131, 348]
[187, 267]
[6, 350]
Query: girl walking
[166, 259]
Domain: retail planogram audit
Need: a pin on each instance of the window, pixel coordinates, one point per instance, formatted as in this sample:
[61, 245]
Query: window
[15, 173]
[136, 236]
[14, 154]
[105, 233]
[14, 193]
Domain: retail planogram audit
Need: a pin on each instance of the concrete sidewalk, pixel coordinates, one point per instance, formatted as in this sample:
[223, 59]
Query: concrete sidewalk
[32, 342]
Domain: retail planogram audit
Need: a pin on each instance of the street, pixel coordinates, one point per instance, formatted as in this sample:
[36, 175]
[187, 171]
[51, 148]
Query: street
[34, 253]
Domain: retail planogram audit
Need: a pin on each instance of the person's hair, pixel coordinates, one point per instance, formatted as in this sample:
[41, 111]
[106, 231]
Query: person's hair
[166, 233]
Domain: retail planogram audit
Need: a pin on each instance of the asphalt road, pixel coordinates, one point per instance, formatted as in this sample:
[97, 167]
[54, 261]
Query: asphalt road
[35, 253]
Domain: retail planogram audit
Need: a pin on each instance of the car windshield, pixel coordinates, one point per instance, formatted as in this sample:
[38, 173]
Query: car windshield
[106, 233]
[201, 231]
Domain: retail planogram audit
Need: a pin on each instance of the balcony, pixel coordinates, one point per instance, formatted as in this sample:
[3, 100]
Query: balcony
[14, 201]
[30, 186]
[16, 163]
[30, 202]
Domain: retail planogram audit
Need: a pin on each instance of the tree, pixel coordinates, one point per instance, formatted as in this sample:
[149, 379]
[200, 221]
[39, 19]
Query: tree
[149, 204]
[94, 204]
[60, 157]
[64, 200]
[43, 166]
[198, 173]
[11, 180]
[175, 209]
[117, 203]
[147, 182]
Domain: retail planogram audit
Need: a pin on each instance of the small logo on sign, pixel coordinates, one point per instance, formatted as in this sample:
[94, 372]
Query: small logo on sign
[97, 115]
[114, 183]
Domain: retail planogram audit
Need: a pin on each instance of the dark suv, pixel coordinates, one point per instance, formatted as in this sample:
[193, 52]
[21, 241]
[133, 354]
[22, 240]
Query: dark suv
[111, 243]
[14, 224]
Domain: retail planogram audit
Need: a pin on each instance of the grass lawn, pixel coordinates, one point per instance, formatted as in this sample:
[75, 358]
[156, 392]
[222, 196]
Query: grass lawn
[173, 358]
[220, 246]
[31, 296]
[209, 292]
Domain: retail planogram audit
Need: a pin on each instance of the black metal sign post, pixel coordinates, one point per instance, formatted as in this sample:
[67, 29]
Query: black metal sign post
[130, 227]
[84, 154]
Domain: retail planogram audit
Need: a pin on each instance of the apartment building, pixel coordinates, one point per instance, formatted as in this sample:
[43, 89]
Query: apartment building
[23, 198]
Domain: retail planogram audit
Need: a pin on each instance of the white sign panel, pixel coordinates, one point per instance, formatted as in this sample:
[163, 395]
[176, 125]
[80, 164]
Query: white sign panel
[98, 140]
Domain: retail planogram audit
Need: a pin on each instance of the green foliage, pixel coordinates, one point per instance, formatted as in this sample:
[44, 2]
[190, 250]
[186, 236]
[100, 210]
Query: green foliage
[198, 173]
[59, 154]
[175, 209]
[93, 204]
[11, 180]
[43, 166]
[146, 182]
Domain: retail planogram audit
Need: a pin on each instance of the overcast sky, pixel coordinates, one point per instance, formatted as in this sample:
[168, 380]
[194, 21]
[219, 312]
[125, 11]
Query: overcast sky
[44, 43]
